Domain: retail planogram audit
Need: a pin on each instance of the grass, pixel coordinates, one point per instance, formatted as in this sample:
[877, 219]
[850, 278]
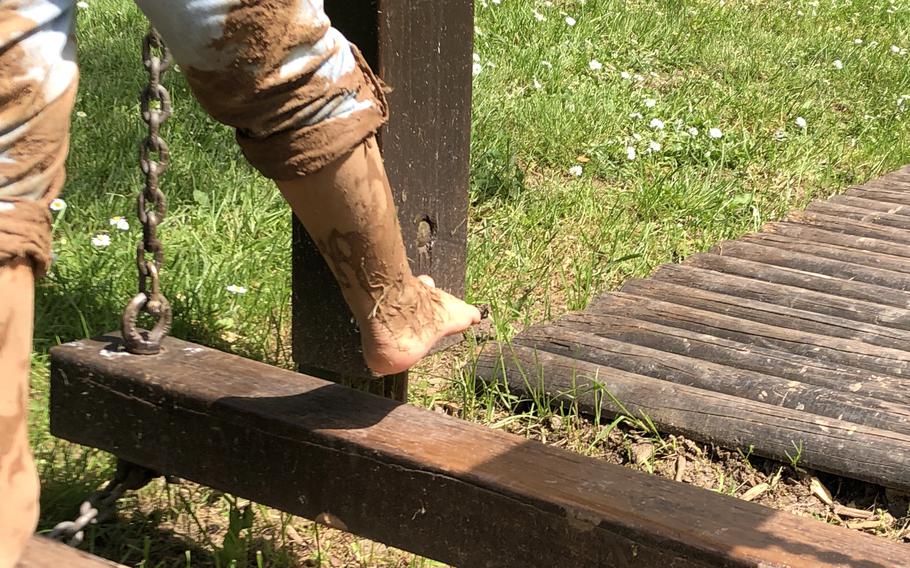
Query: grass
[550, 98]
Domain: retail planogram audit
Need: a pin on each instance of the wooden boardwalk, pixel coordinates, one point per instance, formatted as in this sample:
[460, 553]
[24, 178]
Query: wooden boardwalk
[795, 337]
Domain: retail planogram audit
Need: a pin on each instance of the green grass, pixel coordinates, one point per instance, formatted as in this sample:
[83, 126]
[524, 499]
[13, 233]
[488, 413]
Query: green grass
[542, 240]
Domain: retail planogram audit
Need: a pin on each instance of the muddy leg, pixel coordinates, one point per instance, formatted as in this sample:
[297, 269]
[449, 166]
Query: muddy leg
[348, 210]
[19, 486]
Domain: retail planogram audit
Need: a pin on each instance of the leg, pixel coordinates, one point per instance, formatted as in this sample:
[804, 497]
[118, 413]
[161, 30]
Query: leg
[37, 85]
[306, 107]
[347, 208]
[19, 486]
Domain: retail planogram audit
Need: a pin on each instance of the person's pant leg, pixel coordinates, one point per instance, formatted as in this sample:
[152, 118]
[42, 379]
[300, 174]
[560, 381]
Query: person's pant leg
[37, 86]
[299, 95]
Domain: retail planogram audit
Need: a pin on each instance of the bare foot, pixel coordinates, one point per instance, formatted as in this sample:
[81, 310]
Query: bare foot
[408, 321]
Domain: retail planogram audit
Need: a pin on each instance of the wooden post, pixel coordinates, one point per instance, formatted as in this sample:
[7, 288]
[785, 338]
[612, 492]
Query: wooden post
[422, 50]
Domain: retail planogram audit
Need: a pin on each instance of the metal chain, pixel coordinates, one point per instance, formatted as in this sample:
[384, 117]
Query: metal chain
[101, 505]
[155, 107]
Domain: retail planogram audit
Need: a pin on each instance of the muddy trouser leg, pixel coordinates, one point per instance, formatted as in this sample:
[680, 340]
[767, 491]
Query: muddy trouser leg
[37, 84]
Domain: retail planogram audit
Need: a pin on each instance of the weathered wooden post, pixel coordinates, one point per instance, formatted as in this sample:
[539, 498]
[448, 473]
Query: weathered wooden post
[422, 50]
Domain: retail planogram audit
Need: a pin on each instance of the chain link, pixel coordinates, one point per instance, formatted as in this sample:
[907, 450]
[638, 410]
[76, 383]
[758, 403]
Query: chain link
[155, 108]
[101, 505]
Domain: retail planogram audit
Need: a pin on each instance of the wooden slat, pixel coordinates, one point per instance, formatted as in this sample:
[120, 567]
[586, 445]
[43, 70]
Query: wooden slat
[440, 487]
[871, 204]
[776, 315]
[804, 262]
[844, 352]
[848, 212]
[784, 295]
[830, 445]
[857, 407]
[44, 553]
[824, 235]
[764, 272]
[886, 194]
[731, 353]
[834, 252]
[851, 227]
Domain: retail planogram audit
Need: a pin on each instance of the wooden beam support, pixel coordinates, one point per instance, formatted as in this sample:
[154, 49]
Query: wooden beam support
[422, 50]
[45, 553]
[440, 487]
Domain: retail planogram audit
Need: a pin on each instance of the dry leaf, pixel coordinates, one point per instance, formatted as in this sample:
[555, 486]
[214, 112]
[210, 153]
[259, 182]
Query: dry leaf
[583, 159]
[680, 468]
[821, 491]
[755, 492]
[864, 524]
[852, 513]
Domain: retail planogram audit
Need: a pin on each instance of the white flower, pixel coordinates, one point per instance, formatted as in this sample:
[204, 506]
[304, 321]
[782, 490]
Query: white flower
[120, 223]
[654, 146]
[780, 135]
[858, 41]
[81, 114]
[57, 205]
[575, 171]
[539, 17]
[636, 136]
[650, 103]
[715, 133]
[801, 122]
[476, 69]
[636, 115]
[476, 57]
[656, 124]
[631, 154]
[101, 240]
[693, 132]
[537, 84]
[546, 64]
[595, 65]
[82, 5]
[570, 21]
[895, 49]
[235, 289]
[625, 75]
[638, 78]
[838, 64]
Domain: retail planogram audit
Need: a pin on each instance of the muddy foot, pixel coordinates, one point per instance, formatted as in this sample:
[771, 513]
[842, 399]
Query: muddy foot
[406, 325]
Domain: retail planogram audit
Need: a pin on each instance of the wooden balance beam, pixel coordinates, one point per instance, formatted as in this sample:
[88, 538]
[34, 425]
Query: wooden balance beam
[414, 479]
[45, 553]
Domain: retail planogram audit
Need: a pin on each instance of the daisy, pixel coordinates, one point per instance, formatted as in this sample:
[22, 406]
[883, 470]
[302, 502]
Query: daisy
[715, 133]
[838, 64]
[595, 65]
[120, 223]
[650, 103]
[654, 146]
[570, 21]
[801, 122]
[631, 154]
[101, 240]
[235, 289]
[693, 132]
[57, 205]
[656, 124]
[575, 171]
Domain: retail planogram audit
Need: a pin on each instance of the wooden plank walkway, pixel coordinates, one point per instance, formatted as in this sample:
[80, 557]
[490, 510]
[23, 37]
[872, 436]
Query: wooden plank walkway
[798, 336]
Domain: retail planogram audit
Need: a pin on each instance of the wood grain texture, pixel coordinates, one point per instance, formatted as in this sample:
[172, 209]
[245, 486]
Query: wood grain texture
[784, 295]
[415, 479]
[842, 352]
[45, 553]
[822, 235]
[831, 251]
[841, 403]
[828, 444]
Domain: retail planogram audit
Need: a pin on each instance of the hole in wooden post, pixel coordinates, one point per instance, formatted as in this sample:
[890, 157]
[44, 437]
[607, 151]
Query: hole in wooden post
[426, 235]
